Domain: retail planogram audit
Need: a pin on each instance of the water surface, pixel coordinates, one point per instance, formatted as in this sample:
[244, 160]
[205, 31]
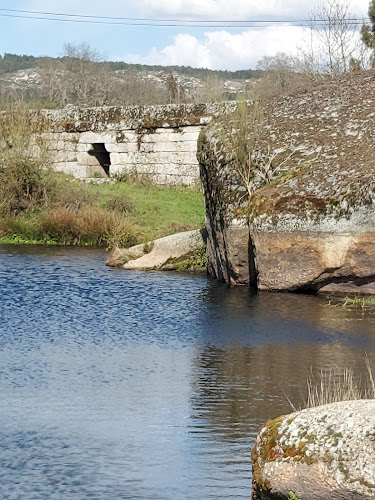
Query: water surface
[131, 385]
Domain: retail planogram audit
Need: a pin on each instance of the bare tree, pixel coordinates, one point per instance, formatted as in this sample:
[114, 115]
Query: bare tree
[280, 75]
[334, 45]
[212, 90]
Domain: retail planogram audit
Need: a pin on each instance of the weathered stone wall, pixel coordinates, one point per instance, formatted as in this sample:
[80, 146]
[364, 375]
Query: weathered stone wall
[158, 142]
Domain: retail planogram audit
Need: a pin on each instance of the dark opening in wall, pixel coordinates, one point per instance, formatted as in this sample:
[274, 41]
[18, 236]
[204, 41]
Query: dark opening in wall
[101, 154]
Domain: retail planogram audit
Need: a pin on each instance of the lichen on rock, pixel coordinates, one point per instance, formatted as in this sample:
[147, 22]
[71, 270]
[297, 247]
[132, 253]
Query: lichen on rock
[313, 181]
[318, 453]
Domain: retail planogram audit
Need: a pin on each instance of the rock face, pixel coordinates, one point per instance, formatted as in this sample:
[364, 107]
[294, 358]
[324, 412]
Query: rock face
[328, 262]
[159, 254]
[321, 453]
[311, 216]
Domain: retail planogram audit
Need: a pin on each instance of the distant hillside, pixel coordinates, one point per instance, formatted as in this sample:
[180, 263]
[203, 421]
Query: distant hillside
[11, 63]
[81, 78]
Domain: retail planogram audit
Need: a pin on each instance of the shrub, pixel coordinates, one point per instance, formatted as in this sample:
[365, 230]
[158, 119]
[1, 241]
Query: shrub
[91, 226]
[22, 161]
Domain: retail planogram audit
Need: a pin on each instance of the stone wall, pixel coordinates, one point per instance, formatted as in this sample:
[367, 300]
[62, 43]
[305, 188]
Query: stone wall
[157, 142]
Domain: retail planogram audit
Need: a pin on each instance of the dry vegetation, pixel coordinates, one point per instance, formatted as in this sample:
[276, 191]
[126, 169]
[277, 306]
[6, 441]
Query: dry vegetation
[340, 385]
[39, 205]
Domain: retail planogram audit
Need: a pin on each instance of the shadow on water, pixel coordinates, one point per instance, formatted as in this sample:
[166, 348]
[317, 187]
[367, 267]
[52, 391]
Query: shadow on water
[137, 385]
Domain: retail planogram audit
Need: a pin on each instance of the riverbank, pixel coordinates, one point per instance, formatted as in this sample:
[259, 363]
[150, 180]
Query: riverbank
[108, 214]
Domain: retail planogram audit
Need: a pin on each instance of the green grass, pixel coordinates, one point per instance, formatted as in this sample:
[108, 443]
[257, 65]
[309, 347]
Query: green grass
[156, 210]
[17, 239]
[359, 303]
[122, 213]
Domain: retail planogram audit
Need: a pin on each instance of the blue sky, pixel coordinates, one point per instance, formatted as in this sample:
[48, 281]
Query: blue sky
[215, 48]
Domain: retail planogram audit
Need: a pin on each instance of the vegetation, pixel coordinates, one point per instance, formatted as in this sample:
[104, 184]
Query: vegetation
[368, 32]
[39, 205]
[195, 262]
[82, 77]
[360, 303]
[340, 385]
[293, 496]
[336, 385]
[74, 213]
[10, 63]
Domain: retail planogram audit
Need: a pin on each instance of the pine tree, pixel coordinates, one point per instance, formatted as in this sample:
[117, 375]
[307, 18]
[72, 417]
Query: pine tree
[368, 31]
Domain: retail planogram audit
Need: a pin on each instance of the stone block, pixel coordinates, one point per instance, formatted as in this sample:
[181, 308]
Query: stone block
[71, 168]
[122, 147]
[84, 148]
[168, 146]
[87, 160]
[129, 136]
[158, 135]
[98, 137]
[63, 156]
[66, 146]
[189, 135]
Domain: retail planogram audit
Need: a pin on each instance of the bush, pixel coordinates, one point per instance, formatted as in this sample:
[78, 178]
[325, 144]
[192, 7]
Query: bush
[22, 161]
[91, 226]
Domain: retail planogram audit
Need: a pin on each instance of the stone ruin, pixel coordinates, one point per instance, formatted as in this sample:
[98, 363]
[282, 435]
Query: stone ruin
[155, 142]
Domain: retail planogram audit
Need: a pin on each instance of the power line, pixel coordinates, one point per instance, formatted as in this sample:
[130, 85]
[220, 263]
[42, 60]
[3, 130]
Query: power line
[129, 21]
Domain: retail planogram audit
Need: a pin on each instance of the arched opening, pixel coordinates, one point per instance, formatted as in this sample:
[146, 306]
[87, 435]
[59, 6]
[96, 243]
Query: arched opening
[102, 156]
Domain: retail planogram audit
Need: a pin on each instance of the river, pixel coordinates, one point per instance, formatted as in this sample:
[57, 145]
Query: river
[131, 385]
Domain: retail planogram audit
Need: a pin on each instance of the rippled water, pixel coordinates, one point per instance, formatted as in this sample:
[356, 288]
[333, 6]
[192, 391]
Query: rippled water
[132, 385]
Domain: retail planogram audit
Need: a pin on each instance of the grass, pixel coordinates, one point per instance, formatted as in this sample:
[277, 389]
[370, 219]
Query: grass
[156, 210]
[338, 385]
[124, 214]
[38, 205]
[360, 303]
[293, 496]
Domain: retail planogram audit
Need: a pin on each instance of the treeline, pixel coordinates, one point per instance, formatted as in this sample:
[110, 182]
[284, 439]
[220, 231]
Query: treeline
[11, 63]
[201, 73]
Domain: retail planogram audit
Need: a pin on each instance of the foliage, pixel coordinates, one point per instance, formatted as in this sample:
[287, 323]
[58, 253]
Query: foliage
[363, 303]
[148, 246]
[368, 32]
[23, 179]
[195, 261]
[10, 63]
[280, 75]
[240, 134]
[293, 496]
[75, 213]
[83, 77]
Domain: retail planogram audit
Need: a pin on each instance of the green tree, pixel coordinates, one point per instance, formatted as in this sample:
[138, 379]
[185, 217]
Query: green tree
[368, 32]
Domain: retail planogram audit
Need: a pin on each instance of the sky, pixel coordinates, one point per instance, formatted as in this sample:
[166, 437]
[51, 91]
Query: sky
[213, 48]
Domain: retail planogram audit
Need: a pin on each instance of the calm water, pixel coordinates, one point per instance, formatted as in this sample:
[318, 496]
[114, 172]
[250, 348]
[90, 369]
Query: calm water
[131, 385]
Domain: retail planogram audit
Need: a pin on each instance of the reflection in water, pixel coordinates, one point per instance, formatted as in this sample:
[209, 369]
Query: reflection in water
[139, 385]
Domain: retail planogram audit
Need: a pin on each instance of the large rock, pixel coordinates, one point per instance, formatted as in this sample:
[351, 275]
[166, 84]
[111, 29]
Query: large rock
[311, 214]
[328, 262]
[159, 253]
[321, 453]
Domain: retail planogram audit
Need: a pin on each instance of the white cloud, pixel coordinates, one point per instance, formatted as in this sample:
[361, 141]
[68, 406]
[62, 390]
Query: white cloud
[192, 9]
[223, 50]
[238, 9]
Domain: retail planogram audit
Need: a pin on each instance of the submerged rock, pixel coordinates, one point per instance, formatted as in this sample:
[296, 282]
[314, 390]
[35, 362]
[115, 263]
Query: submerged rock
[321, 453]
[159, 253]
